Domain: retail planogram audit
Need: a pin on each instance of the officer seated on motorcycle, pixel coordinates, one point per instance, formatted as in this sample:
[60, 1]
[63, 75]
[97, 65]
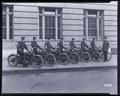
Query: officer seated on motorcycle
[72, 45]
[35, 46]
[48, 47]
[21, 45]
[84, 46]
[60, 45]
[93, 45]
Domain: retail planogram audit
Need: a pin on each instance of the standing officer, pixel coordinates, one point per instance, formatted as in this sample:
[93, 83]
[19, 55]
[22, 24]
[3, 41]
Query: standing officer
[72, 44]
[48, 46]
[84, 46]
[35, 45]
[105, 48]
[20, 49]
[93, 46]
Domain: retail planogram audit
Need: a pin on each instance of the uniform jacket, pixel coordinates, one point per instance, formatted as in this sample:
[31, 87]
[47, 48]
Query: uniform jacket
[72, 44]
[35, 45]
[93, 44]
[48, 45]
[83, 45]
[21, 46]
[60, 44]
[105, 46]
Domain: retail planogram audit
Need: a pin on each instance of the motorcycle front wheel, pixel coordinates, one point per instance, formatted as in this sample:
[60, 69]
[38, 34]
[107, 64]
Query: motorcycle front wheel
[85, 57]
[50, 60]
[37, 61]
[64, 58]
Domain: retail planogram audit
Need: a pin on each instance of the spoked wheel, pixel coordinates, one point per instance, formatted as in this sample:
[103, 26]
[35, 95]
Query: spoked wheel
[85, 57]
[12, 60]
[96, 57]
[64, 59]
[74, 58]
[108, 56]
[50, 60]
[37, 61]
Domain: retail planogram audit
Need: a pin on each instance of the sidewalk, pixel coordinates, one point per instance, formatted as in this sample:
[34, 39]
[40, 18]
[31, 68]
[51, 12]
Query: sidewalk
[6, 69]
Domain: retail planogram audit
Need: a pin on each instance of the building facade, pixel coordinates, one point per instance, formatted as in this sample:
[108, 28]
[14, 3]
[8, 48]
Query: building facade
[56, 20]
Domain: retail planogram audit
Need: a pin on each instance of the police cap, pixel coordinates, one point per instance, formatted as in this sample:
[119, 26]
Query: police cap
[83, 39]
[34, 38]
[93, 38]
[22, 38]
[73, 38]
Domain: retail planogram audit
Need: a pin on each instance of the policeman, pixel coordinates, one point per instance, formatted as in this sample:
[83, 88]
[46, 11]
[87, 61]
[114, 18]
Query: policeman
[105, 48]
[72, 44]
[60, 45]
[93, 46]
[48, 46]
[84, 46]
[20, 49]
[35, 45]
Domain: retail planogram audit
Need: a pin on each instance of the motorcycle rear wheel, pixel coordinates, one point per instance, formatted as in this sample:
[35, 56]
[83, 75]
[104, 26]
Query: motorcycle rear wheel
[12, 60]
[64, 58]
[74, 58]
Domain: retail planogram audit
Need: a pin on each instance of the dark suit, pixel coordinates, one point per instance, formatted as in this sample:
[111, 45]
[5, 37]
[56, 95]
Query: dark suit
[20, 49]
[35, 46]
[105, 48]
[21, 46]
[60, 46]
[48, 46]
[84, 46]
[93, 46]
[72, 45]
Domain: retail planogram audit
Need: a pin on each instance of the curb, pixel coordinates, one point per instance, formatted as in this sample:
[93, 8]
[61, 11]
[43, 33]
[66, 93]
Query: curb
[51, 70]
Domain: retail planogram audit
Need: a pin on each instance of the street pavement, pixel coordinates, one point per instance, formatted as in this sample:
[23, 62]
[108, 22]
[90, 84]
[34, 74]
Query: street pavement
[94, 81]
[101, 78]
[13, 70]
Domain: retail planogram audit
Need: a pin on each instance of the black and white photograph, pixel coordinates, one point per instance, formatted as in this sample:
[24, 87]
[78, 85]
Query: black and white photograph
[59, 47]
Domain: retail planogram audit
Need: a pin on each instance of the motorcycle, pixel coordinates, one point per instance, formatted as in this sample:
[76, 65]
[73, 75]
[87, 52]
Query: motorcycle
[29, 59]
[61, 56]
[95, 56]
[84, 55]
[74, 56]
[49, 58]
[100, 51]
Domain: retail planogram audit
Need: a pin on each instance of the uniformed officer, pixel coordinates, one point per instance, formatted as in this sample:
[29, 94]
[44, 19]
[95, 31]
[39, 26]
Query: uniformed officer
[35, 45]
[93, 46]
[20, 48]
[48, 46]
[60, 45]
[72, 44]
[84, 46]
[105, 48]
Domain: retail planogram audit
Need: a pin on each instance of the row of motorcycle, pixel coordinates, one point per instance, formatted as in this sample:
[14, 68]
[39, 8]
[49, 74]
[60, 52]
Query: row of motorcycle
[55, 57]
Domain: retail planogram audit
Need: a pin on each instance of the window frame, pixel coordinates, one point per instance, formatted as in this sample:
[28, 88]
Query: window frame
[97, 16]
[9, 28]
[56, 22]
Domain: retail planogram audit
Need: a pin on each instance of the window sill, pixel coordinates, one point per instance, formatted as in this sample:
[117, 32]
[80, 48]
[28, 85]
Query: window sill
[7, 40]
[53, 40]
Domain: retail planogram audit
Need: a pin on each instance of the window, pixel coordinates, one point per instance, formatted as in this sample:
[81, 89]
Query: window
[93, 24]
[50, 27]
[7, 22]
[49, 23]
